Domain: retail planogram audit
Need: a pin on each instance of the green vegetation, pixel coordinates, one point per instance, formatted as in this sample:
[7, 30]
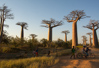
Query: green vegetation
[12, 52]
[17, 52]
[63, 52]
[38, 62]
[15, 44]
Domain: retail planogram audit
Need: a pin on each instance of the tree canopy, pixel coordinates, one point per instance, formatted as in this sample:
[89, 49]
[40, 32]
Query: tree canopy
[75, 16]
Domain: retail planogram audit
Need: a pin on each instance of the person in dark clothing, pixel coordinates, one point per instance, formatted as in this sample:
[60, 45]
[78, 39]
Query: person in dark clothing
[73, 52]
[87, 49]
[48, 53]
[36, 52]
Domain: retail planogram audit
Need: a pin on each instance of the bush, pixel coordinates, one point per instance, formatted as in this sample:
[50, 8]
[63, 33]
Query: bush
[9, 50]
[44, 42]
[61, 43]
[5, 49]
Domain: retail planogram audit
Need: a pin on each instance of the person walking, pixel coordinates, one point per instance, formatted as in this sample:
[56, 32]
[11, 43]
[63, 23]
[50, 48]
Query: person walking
[37, 52]
[73, 52]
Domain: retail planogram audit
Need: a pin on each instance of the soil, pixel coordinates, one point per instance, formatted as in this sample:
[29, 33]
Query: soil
[66, 62]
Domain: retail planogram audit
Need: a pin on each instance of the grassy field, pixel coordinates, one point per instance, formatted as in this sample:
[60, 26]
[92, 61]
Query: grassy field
[37, 62]
[43, 61]
[79, 46]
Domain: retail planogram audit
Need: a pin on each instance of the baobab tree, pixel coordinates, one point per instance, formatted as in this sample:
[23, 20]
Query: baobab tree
[74, 16]
[89, 38]
[51, 24]
[34, 41]
[84, 40]
[23, 25]
[93, 25]
[4, 14]
[33, 36]
[65, 32]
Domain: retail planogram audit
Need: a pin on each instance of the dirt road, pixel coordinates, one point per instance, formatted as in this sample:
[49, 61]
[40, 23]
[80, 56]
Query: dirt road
[66, 62]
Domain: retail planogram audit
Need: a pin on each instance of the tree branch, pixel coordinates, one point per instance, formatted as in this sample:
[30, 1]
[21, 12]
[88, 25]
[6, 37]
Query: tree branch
[6, 25]
[67, 18]
[44, 26]
[75, 16]
[57, 23]
[66, 31]
[33, 35]
[90, 33]
[88, 27]
[52, 23]
[45, 22]
[97, 26]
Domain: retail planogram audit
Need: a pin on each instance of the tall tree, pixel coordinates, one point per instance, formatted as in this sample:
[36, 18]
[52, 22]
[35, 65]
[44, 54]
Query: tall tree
[23, 25]
[4, 14]
[74, 16]
[89, 38]
[51, 24]
[66, 32]
[93, 25]
[33, 36]
[84, 39]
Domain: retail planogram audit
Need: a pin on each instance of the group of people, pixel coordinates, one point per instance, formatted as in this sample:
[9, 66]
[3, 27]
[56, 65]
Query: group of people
[35, 52]
[85, 51]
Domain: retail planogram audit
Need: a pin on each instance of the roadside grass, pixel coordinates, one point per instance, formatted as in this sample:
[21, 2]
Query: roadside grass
[79, 46]
[34, 62]
[62, 52]
[43, 61]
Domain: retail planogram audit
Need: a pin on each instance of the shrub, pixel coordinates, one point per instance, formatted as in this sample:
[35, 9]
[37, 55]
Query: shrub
[44, 42]
[5, 49]
[9, 50]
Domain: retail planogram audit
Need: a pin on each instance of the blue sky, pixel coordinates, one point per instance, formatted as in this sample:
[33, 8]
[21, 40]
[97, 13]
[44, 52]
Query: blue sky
[34, 11]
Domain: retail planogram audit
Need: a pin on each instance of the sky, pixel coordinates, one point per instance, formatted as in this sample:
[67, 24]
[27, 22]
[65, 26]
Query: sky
[34, 11]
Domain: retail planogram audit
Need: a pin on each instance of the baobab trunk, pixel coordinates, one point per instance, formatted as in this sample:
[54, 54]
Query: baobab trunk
[65, 37]
[89, 40]
[50, 34]
[22, 33]
[85, 42]
[96, 40]
[74, 34]
[94, 44]
[1, 30]
[1, 33]
[32, 38]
